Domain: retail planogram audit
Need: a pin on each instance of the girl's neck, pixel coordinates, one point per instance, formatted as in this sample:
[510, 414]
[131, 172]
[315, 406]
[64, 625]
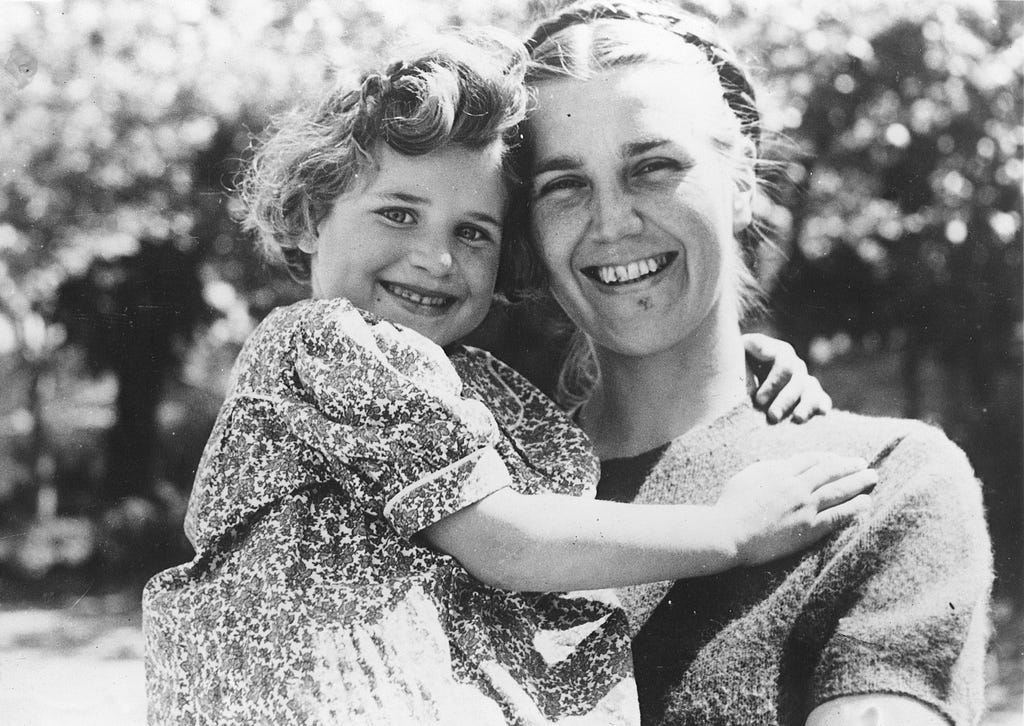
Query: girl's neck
[642, 402]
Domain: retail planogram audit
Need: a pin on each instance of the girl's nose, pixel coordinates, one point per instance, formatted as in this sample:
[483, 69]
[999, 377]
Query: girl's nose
[433, 255]
[613, 216]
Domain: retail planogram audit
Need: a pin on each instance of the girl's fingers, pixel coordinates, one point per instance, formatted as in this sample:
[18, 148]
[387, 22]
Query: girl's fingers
[798, 464]
[813, 401]
[783, 372]
[831, 469]
[834, 517]
[786, 399]
[762, 347]
[842, 490]
[786, 365]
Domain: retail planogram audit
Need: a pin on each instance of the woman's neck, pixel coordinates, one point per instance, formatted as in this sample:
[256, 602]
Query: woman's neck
[642, 402]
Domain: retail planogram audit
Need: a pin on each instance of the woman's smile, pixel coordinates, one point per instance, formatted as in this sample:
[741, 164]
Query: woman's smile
[630, 273]
[632, 207]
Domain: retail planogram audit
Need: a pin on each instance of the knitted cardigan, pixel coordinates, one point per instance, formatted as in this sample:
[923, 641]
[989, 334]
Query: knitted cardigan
[896, 602]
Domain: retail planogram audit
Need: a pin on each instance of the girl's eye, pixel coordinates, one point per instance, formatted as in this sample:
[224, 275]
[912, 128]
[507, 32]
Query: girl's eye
[474, 236]
[397, 215]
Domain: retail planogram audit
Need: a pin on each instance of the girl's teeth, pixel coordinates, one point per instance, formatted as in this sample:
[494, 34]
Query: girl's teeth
[633, 270]
[419, 299]
[644, 268]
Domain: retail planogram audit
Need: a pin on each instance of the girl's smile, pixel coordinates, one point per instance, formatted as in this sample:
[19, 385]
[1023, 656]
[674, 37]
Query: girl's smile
[418, 242]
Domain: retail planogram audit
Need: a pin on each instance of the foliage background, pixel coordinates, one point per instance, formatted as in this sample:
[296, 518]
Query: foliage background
[126, 289]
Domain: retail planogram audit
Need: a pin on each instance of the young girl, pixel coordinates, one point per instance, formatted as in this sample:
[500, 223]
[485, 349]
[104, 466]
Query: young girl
[378, 506]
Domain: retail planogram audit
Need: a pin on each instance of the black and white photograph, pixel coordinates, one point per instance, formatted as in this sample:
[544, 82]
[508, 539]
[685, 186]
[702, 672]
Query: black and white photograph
[512, 362]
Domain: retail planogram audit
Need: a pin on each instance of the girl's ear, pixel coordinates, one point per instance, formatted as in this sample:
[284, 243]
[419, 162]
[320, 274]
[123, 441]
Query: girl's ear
[745, 182]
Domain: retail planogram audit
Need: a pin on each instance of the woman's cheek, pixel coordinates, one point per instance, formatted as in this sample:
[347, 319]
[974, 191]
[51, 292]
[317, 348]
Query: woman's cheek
[557, 223]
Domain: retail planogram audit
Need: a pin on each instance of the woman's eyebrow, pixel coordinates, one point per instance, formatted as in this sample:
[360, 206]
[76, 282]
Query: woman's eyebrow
[635, 148]
[557, 163]
[484, 218]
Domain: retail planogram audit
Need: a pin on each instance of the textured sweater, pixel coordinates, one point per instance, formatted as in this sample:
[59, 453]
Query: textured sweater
[896, 602]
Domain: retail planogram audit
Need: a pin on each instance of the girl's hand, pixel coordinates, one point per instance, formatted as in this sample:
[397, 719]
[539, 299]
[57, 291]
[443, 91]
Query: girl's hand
[780, 507]
[788, 388]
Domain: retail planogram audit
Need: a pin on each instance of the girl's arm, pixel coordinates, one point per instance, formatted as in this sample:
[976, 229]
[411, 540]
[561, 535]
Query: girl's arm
[554, 542]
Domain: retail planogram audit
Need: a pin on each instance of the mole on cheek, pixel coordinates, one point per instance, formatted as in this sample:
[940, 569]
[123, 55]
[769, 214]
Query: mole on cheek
[645, 303]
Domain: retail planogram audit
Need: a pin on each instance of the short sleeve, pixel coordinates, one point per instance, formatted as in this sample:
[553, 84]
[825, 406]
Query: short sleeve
[384, 407]
[918, 572]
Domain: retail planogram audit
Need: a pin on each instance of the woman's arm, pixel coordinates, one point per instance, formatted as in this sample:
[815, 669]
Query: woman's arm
[554, 542]
[910, 645]
[875, 709]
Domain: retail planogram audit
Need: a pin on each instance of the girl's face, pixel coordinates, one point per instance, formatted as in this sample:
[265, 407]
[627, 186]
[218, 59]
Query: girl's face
[633, 208]
[418, 242]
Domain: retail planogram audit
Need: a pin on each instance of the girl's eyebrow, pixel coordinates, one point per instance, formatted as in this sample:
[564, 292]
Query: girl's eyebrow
[404, 197]
[408, 198]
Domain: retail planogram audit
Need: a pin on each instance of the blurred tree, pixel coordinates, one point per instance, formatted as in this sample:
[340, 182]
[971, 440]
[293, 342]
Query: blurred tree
[134, 315]
[120, 140]
[123, 123]
[904, 226]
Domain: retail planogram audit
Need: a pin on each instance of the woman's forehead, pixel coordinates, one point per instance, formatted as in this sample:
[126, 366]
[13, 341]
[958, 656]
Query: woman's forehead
[642, 99]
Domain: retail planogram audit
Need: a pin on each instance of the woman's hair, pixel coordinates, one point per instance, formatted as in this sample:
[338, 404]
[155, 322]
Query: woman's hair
[590, 37]
[464, 92]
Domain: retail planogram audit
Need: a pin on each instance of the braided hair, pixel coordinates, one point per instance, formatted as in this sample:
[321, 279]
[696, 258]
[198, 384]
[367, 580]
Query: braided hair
[598, 35]
[694, 29]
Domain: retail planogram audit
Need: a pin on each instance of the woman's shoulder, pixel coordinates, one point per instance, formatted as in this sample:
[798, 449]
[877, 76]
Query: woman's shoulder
[916, 461]
[521, 403]
[879, 436]
[542, 433]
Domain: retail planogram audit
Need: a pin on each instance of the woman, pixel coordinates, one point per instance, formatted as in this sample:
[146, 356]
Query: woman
[378, 506]
[644, 169]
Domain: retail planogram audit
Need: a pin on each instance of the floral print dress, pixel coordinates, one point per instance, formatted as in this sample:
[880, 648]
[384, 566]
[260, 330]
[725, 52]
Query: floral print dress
[310, 599]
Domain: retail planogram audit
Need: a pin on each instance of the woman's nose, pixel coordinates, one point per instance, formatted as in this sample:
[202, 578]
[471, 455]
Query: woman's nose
[613, 216]
[432, 253]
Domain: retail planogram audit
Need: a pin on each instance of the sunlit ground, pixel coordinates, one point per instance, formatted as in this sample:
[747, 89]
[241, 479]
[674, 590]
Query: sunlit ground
[83, 665]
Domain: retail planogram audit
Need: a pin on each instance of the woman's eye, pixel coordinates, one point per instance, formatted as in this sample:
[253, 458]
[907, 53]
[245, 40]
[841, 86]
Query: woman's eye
[397, 215]
[560, 184]
[653, 166]
[474, 235]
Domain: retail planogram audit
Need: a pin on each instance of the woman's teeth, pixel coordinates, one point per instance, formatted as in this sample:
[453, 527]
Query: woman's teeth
[630, 272]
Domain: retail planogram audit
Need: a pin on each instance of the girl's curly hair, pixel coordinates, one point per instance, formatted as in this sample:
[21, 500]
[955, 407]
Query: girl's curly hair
[465, 92]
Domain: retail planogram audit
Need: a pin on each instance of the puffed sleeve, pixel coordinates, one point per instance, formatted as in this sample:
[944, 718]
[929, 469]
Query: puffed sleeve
[384, 408]
[917, 571]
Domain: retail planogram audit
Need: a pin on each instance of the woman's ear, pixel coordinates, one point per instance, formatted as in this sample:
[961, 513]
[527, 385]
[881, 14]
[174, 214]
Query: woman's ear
[307, 243]
[745, 182]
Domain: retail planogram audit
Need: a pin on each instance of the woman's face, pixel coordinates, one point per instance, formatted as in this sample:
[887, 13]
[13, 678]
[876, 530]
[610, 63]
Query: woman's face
[418, 242]
[633, 209]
